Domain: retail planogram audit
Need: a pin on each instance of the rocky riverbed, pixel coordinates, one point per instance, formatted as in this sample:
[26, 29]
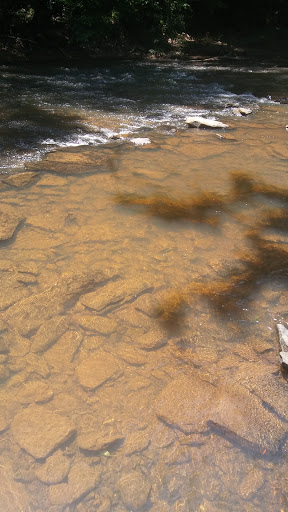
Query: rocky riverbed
[139, 367]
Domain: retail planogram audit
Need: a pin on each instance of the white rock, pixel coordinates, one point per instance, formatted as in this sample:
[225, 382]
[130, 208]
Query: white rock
[141, 141]
[241, 111]
[201, 122]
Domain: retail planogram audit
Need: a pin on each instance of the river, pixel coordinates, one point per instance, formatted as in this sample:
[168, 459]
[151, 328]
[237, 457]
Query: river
[144, 268]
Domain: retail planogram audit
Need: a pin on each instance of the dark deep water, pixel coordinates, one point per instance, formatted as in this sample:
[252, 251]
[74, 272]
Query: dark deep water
[144, 268]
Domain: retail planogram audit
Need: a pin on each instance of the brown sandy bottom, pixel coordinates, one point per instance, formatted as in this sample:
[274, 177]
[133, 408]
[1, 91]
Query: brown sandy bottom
[139, 359]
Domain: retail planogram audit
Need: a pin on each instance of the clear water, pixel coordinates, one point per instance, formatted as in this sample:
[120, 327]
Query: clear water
[190, 233]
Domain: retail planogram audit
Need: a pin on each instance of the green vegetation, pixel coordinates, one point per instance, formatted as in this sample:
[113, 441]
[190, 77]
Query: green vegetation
[140, 23]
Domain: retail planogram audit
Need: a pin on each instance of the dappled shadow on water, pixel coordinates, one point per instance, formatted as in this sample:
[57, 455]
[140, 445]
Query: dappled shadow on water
[266, 261]
[200, 209]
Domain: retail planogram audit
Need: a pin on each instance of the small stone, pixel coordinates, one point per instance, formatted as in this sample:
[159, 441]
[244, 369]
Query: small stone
[114, 294]
[48, 333]
[251, 484]
[54, 470]
[131, 355]
[96, 323]
[134, 489]
[4, 422]
[37, 391]
[98, 441]
[81, 480]
[152, 340]
[136, 442]
[40, 431]
[61, 355]
[8, 223]
[148, 305]
[37, 364]
[4, 346]
[21, 179]
[97, 369]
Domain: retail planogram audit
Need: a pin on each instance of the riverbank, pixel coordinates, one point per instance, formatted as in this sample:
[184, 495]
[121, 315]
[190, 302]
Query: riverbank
[265, 49]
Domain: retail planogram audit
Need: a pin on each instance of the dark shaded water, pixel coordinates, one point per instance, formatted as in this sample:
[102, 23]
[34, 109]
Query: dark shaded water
[143, 272]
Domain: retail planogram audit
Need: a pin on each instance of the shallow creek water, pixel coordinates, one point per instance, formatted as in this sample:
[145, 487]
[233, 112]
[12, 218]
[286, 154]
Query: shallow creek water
[141, 288]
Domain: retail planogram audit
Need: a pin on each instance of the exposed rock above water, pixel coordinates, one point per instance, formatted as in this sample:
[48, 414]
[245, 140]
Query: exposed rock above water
[40, 431]
[241, 111]
[202, 122]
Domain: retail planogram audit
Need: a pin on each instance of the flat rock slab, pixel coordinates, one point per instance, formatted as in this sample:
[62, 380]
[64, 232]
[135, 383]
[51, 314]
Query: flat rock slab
[185, 403]
[22, 179]
[81, 480]
[54, 470]
[114, 294]
[8, 224]
[40, 431]
[242, 418]
[48, 333]
[31, 312]
[152, 340]
[37, 391]
[193, 405]
[97, 369]
[73, 161]
[97, 323]
[98, 441]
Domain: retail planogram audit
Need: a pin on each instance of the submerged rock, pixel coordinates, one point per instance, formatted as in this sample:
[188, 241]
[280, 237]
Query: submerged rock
[54, 470]
[242, 418]
[48, 333]
[134, 489]
[202, 122]
[31, 312]
[193, 405]
[185, 402]
[21, 179]
[73, 161]
[36, 391]
[9, 222]
[81, 480]
[97, 369]
[40, 431]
